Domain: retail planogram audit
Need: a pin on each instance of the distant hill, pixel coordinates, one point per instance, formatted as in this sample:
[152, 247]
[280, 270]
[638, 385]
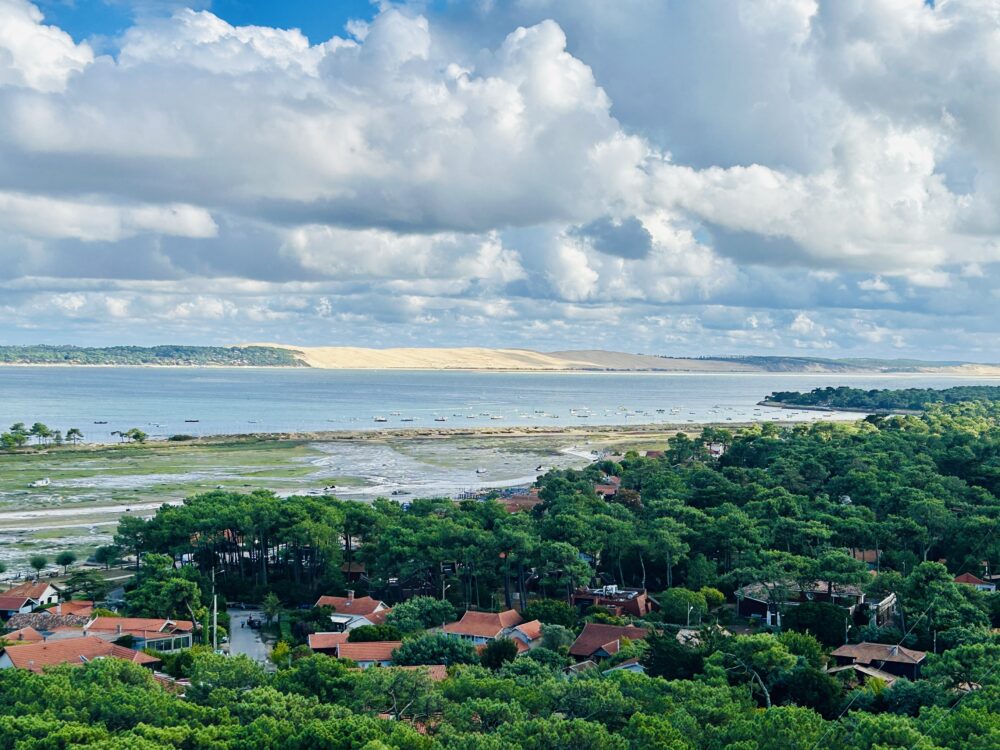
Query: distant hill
[176, 356]
[477, 358]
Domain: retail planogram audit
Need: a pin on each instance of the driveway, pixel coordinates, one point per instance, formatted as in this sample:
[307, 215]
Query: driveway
[243, 640]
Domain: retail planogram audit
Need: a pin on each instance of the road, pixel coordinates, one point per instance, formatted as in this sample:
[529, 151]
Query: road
[243, 640]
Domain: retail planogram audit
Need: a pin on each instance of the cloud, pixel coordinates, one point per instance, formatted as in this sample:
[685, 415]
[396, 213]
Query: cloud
[712, 176]
[625, 238]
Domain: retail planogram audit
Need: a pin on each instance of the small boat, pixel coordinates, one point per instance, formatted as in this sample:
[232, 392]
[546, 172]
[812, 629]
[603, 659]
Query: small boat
[440, 419]
[539, 468]
[496, 416]
[394, 414]
[192, 421]
[480, 470]
[404, 419]
[381, 419]
[41, 482]
[100, 422]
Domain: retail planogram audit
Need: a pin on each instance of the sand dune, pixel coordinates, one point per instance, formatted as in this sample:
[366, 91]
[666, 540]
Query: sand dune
[479, 358]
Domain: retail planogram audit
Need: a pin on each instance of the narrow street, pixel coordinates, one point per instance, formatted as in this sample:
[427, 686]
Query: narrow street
[244, 640]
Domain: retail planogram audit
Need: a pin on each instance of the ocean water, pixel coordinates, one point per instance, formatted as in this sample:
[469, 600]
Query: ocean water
[167, 401]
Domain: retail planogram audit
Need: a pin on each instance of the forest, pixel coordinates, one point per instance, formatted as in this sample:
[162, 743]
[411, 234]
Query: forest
[228, 356]
[906, 399]
[898, 505]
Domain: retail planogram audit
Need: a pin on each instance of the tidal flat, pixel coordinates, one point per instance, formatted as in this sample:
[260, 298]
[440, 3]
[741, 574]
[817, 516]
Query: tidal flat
[90, 487]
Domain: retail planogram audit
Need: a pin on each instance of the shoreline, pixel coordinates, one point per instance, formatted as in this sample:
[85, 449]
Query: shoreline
[838, 409]
[649, 429]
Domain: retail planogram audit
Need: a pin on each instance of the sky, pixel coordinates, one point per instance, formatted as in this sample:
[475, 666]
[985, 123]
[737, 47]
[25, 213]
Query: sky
[803, 177]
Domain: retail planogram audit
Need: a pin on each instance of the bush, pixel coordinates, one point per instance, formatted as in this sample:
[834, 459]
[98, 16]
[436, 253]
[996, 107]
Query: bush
[368, 633]
[435, 648]
[498, 652]
[678, 603]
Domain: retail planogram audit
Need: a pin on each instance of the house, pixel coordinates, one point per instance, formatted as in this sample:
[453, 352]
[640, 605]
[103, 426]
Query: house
[768, 600]
[616, 600]
[39, 591]
[716, 450]
[579, 668]
[527, 635]
[80, 607]
[354, 571]
[483, 627]
[351, 612]
[870, 557]
[608, 487]
[147, 632]
[896, 660]
[21, 637]
[968, 579]
[70, 651]
[437, 672]
[520, 503]
[599, 641]
[26, 598]
[326, 643]
[368, 654]
[15, 605]
[629, 665]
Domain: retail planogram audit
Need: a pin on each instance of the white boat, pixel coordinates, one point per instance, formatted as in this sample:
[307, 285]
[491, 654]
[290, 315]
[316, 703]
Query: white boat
[480, 470]
[381, 419]
[496, 416]
[440, 419]
[41, 482]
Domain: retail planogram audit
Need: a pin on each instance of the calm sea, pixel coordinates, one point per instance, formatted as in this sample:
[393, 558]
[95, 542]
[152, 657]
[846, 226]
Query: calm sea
[235, 400]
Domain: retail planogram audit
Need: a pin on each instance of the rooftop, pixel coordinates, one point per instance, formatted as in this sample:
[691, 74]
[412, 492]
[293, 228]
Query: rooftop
[597, 636]
[368, 651]
[327, 640]
[361, 606]
[72, 651]
[866, 653]
[484, 624]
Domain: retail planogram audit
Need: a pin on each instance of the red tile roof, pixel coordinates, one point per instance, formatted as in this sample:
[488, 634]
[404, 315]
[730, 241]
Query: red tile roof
[484, 624]
[138, 625]
[79, 607]
[72, 651]
[867, 653]
[342, 605]
[29, 590]
[532, 630]
[326, 640]
[597, 636]
[369, 651]
[22, 636]
[436, 672]
[13, 603]
[969, 579]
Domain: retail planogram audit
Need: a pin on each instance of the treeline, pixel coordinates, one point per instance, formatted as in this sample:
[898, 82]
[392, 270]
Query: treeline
[909, 399]
[235, 356]
[318, 702]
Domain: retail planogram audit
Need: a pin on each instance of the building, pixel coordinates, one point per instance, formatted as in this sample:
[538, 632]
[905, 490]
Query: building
[46, 621]
[26, 598]
[10, 606]
[147, 632]
[326, 643]
[354, 571]
[608, 487]
[527, 635]
[76, 651]
[968, 579]
[521, 503]
[483, 627]
[629, 665]
[716, 450]
[21, 637]
[351, 612]
[896, 660]
[768, 600]
[79, 607]
[599, 641]
[616, 600]
[368, 654]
